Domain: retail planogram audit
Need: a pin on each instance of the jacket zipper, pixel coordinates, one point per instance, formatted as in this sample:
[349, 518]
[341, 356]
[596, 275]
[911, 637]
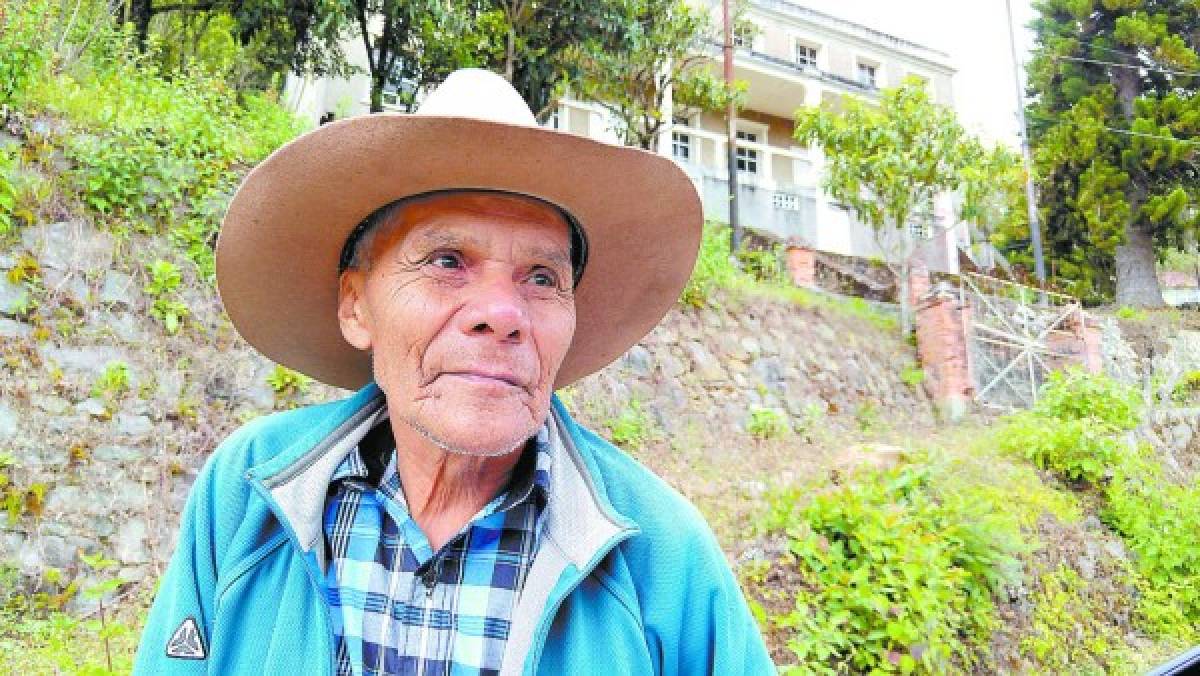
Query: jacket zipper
[318, 587]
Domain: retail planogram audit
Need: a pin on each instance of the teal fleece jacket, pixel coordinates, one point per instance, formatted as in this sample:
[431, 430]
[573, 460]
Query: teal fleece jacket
[628, 578]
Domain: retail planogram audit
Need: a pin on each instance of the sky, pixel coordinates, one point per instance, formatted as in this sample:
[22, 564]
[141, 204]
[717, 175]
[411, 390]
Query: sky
[972, 32]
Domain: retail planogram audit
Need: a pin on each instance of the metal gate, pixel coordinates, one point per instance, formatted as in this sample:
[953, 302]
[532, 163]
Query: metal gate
[1016, 335]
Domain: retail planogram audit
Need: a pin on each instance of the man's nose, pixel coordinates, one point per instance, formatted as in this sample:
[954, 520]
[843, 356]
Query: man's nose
[496, 308]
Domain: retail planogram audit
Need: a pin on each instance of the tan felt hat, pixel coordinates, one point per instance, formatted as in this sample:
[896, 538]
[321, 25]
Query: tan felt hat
[280, 242]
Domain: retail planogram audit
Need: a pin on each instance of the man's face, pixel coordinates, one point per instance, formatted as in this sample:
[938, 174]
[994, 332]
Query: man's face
[467, 307]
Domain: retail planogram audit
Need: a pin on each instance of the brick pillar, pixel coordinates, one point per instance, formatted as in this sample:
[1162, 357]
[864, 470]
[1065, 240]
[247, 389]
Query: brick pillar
[918, 282]
[942, 347]
[802, 266]
[1093, 350]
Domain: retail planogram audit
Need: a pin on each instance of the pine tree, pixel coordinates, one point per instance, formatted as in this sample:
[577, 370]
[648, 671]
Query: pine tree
[1115, 125]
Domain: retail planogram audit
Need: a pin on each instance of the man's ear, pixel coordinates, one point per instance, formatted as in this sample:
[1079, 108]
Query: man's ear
[351, 314]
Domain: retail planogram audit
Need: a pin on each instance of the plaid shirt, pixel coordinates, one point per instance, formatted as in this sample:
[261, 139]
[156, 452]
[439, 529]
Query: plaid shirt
[397, 606]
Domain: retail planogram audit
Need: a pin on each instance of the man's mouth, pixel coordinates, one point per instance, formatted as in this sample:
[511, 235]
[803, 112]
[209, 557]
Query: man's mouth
[487, 377]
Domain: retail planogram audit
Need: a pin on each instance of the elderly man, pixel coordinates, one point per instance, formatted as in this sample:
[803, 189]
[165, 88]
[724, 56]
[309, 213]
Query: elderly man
[457, 265]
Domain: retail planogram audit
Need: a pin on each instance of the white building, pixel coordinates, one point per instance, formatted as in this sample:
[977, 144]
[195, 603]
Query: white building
[799, 57]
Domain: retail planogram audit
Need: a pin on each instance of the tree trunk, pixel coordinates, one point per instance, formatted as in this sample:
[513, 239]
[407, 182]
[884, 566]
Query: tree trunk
[1137, 279]
[510, 54]
[140, 13]
[377, 93]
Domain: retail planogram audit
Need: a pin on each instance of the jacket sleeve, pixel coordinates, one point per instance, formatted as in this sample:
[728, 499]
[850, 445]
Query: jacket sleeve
[723, 637]
[175, 638]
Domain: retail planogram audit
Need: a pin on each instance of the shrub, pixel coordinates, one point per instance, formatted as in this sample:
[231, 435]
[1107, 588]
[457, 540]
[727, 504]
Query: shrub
[1076, 394]
[892, 575]
[633, 427]
[713, 269]
[158, 152]
[763, 265]
[288, 385]
[8, 191]
[24, 49]
[912, 375]
[766, 423]
[113, 382]
[1077, 450]
[166, 307]
[1159, 521]
[1131, 313]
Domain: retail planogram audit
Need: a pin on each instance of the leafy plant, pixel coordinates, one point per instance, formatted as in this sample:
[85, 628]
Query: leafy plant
[113, 383]
[892, 575]
[1131, 314]
[8, 192]
[713, 269]
[766, 423]
[1076, 394]
[912, 375]
[633, 427]
[288, 385]
[166, 307]
[764, 265]
[23, 48]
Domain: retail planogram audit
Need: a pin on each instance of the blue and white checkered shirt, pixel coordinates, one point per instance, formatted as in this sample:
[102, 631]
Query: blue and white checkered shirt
[397, 606]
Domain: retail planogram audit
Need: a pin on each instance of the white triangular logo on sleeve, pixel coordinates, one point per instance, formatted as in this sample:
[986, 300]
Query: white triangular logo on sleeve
[185, 643]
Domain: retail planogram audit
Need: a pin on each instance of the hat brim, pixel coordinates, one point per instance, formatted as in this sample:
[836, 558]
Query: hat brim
[278, 248]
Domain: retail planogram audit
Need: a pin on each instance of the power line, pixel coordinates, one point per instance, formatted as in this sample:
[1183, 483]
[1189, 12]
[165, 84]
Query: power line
[1181, 73]
[1153, 136]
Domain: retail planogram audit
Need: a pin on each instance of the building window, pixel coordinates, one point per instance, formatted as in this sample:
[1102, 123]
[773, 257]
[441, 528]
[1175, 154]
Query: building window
[786, 201]
[554, 121]
[920, 229]
[681, 146]
[747, 158]
[867, 74]
[743, 34]
[806, 56]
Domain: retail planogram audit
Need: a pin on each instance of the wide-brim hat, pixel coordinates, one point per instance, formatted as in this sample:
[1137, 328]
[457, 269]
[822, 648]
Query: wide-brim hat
[279, 245]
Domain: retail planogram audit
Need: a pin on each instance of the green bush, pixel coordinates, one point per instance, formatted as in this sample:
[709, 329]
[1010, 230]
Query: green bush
[713, 269]
[288, 386]
[766, 423]
[24, 49]
[166, 306]
[633, 427]
[912, 375]
[1077, 450]
[154, 152]
[763, 265]
[1159, 520]
[1074, 428]
[893, 576]
[8, 191]
[1078, 395]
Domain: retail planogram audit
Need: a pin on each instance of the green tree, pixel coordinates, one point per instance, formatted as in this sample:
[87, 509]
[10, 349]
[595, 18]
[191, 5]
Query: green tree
[888, 162]
[993, 195]
[661, 49]
[251, 41]
[1115, 126]
[417, 43]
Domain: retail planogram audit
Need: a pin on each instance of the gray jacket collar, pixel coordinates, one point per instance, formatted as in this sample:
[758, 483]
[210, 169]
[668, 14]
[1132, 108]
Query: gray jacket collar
[578, 522]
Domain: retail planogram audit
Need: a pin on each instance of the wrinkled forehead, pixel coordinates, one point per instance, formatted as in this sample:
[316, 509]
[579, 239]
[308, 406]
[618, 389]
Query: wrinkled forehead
[466, 216]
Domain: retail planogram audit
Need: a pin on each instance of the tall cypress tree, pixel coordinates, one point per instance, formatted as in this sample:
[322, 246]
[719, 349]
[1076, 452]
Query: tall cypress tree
[1115, 125]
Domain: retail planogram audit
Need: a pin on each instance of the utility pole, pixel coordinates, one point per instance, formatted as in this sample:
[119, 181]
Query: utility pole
[735, 228]
[1035, 230]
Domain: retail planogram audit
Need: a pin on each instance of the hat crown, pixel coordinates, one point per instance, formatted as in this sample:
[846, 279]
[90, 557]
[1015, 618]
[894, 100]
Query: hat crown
[478, 94]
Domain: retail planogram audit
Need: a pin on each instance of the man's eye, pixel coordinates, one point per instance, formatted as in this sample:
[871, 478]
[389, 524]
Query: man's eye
[445, 260]
[543, 277]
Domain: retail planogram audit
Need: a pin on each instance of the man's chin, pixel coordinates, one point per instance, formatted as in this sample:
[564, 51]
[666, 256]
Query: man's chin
[481, 428]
